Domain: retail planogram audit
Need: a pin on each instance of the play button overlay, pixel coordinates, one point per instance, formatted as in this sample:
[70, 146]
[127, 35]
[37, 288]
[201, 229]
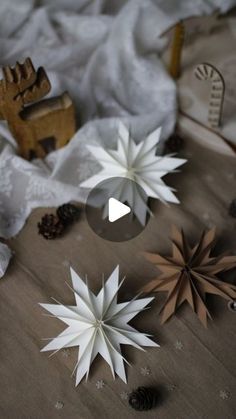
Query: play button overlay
[116, 209]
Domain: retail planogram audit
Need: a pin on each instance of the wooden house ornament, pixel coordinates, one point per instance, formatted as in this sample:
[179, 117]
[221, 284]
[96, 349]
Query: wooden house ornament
[38, 126]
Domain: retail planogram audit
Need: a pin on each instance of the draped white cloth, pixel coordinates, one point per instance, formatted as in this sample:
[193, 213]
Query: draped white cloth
[106, 54]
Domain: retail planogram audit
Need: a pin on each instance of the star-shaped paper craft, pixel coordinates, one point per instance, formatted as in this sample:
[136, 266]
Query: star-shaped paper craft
[189, 274]
[5, 256]
[139, 163]
[98, 325]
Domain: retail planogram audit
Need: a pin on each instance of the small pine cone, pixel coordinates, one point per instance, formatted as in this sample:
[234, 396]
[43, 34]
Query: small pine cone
[50, 227]
[67, 213]
[174, 143]
[144, 398]
[232, 208]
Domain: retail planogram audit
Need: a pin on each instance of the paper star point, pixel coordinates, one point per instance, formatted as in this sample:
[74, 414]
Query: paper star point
[98, 325]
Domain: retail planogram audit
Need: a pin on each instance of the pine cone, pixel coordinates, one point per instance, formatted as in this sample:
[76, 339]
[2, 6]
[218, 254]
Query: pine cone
[144, 398]
[50, 227]
[174, 143]
[232, 208]
[67, 213]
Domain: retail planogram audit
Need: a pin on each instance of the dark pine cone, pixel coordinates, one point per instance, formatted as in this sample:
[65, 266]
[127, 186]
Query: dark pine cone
[144, 398]
[232, 208]
[174, 143]
[50, 226]
[68, 213]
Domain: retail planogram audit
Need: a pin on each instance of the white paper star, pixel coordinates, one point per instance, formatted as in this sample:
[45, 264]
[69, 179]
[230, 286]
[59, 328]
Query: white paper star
[139, 163]
[98, 325]
[5, 256]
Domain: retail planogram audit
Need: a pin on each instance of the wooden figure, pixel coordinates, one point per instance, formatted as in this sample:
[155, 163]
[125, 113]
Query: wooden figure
[200, 117]
[206, 71]
[183, 33]
[176, 49]
[39, 127]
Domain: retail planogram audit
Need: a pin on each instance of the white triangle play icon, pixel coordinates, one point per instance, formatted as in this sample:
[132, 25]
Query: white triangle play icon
[116, 210]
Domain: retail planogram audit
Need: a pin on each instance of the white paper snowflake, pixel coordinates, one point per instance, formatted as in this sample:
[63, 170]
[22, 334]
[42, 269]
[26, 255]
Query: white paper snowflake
[139, 163]
[98, 325]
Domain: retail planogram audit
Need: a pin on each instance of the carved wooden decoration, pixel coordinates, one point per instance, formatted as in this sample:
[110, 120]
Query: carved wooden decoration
[37, 127]
[207, 71]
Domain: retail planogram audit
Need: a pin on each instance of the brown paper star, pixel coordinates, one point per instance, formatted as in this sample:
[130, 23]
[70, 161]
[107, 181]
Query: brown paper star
[189, 274]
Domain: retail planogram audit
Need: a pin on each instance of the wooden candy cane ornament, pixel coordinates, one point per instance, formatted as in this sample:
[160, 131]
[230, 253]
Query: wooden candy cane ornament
[207, 71]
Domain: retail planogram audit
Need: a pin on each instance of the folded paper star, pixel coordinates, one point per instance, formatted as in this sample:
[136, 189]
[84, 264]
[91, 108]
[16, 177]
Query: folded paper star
[189, 274]
[5, 256]
[139, 163]
[98, 325]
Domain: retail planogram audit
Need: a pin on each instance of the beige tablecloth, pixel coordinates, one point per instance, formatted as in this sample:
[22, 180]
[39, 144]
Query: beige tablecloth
[194, 369]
